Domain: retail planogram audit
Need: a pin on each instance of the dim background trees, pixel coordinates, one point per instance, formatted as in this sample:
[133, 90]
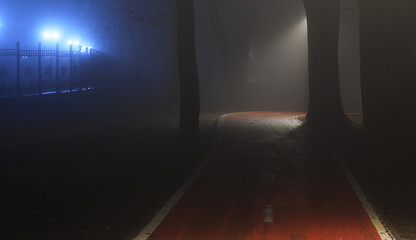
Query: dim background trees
[140, 37]
[233, 34]
[261, 50]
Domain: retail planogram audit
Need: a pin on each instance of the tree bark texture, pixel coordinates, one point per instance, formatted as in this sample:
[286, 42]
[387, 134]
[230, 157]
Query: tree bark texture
[388, 54]
[188, 75]
[323, 17]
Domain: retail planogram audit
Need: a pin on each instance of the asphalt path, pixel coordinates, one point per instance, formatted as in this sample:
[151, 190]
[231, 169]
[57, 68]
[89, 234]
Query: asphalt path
[270, 178]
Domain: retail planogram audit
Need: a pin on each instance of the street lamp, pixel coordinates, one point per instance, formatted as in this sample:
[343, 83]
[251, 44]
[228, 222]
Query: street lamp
[55, 35]
[46, 35]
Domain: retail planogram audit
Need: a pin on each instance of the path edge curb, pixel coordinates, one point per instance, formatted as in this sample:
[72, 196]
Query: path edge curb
[160, 215]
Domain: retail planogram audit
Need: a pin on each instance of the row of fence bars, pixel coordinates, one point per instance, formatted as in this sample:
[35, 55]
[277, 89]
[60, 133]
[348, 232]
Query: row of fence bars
[57, 53]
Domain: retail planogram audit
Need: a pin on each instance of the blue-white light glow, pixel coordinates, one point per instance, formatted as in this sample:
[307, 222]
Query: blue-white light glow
[30, 22]
[46, 35]
[52, 33]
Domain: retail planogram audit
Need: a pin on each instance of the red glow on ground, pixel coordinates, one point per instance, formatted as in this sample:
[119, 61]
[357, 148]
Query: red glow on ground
[271, 182]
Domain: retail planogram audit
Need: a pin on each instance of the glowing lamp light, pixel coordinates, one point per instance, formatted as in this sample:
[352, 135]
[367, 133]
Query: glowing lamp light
[76, 42]
[69, 42]
[55, 35]
[46, 35]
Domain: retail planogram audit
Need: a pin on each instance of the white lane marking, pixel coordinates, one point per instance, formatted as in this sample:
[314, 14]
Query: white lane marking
[268, 213]
[383, 231]
[375, 218]
[294, 121]
[164, 211]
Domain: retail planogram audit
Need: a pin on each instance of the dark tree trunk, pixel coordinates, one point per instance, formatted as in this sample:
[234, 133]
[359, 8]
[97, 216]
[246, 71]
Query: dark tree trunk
[188, 76]
[174, 81]
[323, 18]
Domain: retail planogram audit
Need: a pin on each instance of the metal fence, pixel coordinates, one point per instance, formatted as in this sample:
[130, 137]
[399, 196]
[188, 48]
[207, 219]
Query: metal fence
[38, 70]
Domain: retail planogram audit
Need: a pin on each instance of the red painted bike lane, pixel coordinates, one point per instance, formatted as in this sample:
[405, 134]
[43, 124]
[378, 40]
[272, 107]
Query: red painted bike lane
[269, 179]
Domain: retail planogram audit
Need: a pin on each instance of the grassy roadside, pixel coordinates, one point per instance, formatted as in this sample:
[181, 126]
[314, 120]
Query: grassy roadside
[100, 183]
[105, 181]
[384, 167]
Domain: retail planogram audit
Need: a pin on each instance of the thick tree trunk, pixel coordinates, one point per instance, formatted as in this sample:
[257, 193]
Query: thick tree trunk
[188, 75]
[323, 17]
[174, 81]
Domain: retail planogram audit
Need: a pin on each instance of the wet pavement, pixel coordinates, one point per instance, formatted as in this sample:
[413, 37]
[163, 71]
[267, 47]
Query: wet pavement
[270, 178]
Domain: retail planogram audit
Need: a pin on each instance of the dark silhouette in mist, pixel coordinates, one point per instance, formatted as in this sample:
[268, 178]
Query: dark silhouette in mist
[233, 50]
[323, 19]
[188, 75]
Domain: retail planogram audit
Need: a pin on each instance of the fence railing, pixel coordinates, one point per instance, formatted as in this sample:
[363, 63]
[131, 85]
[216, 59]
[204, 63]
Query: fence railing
[37, 70]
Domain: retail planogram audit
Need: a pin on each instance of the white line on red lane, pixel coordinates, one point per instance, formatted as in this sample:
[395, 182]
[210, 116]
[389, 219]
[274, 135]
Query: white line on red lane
[383, 231]
[164, 211]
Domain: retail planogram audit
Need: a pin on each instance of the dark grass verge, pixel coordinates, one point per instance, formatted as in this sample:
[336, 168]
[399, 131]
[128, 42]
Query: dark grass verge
[384, 166]
[95, 183]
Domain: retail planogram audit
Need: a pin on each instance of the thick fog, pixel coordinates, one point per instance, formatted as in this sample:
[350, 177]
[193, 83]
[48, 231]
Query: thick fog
[277, 70]
[266, 42]
[277, 77]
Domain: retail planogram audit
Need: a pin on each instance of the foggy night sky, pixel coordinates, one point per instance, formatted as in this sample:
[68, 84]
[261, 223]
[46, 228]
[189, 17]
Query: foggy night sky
[143, 42]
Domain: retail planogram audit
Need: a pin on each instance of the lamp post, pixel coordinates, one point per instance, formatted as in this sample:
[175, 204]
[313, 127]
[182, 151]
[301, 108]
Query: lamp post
[40, 68]
[70, 66]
